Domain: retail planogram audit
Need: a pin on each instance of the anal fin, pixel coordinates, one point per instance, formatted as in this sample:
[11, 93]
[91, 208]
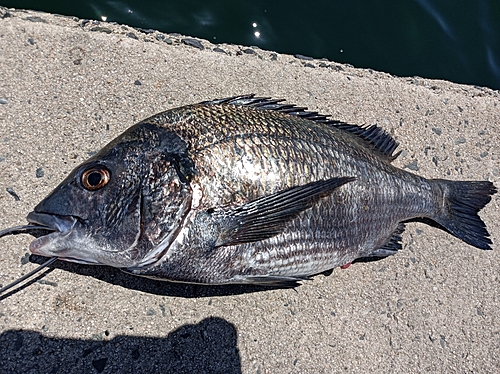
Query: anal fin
[392, 246]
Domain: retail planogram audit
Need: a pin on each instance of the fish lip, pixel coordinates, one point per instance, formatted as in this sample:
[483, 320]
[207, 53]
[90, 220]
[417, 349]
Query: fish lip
[61, 225]
[58, 227]
[55, 227]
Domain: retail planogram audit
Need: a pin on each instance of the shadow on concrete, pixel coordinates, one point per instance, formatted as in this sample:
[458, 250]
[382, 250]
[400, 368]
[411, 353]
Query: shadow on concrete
[209, 346]
[163, 288]
[115, 276]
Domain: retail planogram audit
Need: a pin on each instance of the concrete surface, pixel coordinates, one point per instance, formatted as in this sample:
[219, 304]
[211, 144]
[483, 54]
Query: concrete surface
[68, 86]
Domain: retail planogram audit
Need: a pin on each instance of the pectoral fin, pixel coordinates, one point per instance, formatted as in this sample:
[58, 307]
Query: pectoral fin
[267, 216]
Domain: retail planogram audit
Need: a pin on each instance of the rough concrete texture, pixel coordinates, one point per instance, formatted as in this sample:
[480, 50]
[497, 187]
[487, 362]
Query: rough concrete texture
[69, 86]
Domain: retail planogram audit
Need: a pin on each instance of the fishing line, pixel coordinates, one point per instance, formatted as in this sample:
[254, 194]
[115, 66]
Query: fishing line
[26, 229]
[31, 273]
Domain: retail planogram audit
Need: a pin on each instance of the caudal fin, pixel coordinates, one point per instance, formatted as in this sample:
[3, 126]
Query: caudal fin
[461, 205]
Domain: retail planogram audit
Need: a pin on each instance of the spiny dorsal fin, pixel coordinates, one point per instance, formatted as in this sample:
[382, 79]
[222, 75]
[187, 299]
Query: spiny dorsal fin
[373, 135]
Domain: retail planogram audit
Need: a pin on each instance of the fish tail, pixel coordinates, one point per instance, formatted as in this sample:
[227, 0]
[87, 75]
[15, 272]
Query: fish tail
[459, 208]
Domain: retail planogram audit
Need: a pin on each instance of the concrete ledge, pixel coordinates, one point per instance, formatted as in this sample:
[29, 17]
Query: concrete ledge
[69, 86]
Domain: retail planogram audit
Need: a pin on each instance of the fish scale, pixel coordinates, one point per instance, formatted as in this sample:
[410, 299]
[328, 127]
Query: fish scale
[292, 173]
[246, 190]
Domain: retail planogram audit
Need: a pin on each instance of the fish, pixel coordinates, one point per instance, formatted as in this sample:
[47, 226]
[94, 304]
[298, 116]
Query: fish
[246, 190]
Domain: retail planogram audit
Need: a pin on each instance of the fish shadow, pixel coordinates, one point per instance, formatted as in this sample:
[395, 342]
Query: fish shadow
[209, 346]
[162, 288]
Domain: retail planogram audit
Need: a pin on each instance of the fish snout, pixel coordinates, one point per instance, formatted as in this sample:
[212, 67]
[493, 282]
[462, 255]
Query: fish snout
[61, 224]
[58, 227]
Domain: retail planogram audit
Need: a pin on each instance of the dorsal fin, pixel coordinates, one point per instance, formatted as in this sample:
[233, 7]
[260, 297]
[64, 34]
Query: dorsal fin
[376, 136]
[373, 135]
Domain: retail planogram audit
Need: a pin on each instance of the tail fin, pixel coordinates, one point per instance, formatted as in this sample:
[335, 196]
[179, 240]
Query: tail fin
[462, 202]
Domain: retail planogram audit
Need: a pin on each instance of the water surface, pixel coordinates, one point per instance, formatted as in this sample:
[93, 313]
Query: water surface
[457, 40]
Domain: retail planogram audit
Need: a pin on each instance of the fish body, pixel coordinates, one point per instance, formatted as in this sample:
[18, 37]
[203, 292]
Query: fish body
[246, 190]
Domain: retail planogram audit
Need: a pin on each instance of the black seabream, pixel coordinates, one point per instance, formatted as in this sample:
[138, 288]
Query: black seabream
[245, 190]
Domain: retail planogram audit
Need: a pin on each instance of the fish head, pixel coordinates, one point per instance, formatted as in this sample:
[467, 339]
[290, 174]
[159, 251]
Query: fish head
[119, 205]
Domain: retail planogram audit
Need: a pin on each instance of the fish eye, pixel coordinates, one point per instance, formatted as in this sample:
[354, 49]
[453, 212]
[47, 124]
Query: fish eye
[95, 178]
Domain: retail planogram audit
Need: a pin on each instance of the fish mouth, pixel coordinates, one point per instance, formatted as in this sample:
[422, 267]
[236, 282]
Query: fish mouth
[55, 235]
[54, 226]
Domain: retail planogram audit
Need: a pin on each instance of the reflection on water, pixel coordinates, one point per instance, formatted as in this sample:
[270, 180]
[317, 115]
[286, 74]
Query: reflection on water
[457, 40]
[473, 30]
[256, 33]
[434, 13]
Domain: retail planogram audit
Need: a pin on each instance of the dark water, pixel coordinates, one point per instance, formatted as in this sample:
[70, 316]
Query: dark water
[457, 40]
